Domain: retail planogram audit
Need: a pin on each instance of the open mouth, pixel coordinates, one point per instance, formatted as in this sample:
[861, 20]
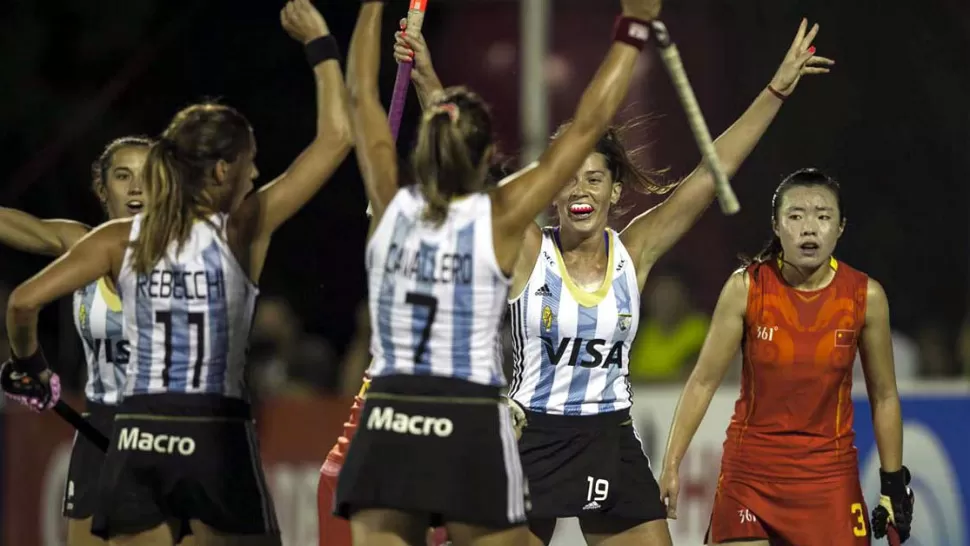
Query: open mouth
[809, 249]
[581, 211]
[135, 206]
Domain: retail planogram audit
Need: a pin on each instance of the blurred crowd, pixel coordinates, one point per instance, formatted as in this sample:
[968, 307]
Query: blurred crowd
[288, 360]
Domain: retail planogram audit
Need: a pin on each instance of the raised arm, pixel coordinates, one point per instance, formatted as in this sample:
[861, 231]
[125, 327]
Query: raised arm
[520, 198]
[96, 255]
[28, 233]
[282, 198]
[650, 235]
[720, 346]
[375, 149]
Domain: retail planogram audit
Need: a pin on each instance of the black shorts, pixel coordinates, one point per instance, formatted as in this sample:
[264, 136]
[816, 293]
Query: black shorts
[585, 465]
[84, 471]
[179, 457]
[434, 446]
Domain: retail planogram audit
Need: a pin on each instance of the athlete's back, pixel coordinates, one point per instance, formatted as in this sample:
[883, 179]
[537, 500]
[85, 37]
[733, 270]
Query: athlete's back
[188, 320]
[436, 291]
[793, 419]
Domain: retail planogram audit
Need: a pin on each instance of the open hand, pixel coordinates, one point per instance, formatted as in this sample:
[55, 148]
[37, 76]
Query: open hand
[800, 60]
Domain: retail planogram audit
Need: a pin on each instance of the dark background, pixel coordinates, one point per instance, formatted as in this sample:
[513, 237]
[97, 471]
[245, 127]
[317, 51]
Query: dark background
[891, 122]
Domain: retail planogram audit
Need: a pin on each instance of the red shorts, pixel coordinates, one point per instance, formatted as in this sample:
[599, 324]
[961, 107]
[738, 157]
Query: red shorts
[827, 512]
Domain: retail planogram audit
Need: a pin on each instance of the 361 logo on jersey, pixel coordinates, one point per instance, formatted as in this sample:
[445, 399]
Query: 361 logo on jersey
[766, 333]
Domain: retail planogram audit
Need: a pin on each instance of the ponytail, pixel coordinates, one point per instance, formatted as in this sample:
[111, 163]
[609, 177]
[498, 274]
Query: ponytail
[448, 159]
[168, 218]
[771, 251]
[441, 158]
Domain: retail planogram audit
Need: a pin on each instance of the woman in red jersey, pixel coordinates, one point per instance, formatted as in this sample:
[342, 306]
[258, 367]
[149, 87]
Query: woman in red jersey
[789, 473]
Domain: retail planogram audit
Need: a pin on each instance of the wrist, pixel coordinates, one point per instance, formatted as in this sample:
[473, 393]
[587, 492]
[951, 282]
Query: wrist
[323, 34]
[894, 483]
[321, 49]
[776, 90]
[632, 30]
[33, 364]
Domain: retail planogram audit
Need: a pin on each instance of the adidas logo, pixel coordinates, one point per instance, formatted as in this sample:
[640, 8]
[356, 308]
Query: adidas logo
[543, 291]
[592, 506]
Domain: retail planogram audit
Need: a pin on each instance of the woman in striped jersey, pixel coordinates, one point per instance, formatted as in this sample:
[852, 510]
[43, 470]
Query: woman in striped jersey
[117, 183]
[575, 310]
[435, 443]
[183, 458]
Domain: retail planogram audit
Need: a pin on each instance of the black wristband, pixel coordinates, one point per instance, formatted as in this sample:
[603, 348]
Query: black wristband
[894, 483]
[632, 31]
[33, 364]
[321, 49]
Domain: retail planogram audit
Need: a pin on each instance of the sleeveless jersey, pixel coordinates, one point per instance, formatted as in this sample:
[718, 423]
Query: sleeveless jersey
[437, 294]
[188, 320]
[571, 347]
[99, 323]
[793, 420]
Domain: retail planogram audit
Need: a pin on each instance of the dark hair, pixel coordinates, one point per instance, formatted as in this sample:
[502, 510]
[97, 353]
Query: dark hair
[801, 178]
[176, 172]
[621, 162]
[454, 136]
[100, 166]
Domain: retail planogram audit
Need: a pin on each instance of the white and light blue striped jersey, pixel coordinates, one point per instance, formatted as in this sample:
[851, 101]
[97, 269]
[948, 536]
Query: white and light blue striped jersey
[571, 347]
[437, 294]
[188, 320]
[99, 322]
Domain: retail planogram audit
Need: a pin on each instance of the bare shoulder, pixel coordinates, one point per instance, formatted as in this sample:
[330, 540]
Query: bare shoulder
[877, 302]
[734, 294]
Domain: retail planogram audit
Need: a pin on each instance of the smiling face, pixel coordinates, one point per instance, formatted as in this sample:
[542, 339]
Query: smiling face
[121, 188]
[583, 205]
[809, 223]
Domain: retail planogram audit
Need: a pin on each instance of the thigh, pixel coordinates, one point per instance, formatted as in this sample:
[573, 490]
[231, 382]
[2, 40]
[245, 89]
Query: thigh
[379, 527]
[462, 534]
[160, 535]
[79, 533]
[204, 535]
[620, 533]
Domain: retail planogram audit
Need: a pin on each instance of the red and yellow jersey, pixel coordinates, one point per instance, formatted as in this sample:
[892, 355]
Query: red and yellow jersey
[793, 419]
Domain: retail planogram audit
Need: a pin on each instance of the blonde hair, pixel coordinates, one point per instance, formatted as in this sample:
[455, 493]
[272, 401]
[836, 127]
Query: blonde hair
[453, 140]
[177, 169]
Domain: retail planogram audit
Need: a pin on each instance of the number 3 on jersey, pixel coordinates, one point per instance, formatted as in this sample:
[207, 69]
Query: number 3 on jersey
[430, 303]
[196, 320]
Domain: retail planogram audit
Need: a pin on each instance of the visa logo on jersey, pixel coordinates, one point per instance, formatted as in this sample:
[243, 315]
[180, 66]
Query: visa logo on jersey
[583, 348]
[114, 353]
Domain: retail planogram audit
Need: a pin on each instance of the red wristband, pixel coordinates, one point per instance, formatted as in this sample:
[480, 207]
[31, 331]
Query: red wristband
[781, 96]
[632, 31]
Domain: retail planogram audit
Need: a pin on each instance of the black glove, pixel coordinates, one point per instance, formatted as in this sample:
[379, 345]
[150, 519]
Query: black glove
[895, 504]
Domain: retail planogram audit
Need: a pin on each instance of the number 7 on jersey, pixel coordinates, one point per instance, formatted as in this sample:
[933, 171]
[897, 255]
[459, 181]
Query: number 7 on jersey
[431, 304]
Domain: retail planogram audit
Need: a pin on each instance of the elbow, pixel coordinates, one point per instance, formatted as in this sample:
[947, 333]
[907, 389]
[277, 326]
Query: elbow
[21, 306]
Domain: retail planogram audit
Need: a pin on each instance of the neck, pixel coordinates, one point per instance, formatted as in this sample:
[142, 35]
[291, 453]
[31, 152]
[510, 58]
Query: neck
[579, 243]
[807, 278]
